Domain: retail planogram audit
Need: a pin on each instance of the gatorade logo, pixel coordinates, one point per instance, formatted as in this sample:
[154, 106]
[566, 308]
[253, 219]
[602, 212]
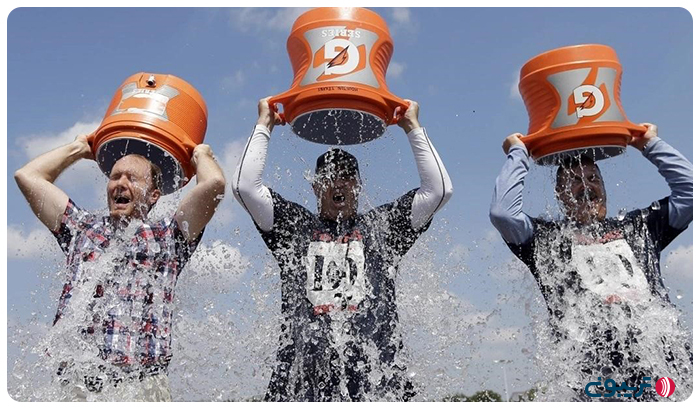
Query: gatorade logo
[665, 386]
[147, 101]
[588, 100]
[340, 57]
[344, 62]
[585, 96]
[340, 54]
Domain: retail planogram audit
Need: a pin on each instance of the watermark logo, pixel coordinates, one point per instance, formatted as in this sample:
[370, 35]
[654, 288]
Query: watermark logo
[594, 389]
[665, 386]
[613, 390]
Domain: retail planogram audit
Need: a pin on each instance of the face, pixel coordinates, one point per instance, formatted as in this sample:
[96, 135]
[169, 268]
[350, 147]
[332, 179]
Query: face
[130, 193]
[337, 196]
[581, 193]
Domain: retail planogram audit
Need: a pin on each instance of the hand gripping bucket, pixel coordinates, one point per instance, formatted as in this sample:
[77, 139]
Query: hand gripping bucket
[339, 93]
[572, 95]
[160, 117]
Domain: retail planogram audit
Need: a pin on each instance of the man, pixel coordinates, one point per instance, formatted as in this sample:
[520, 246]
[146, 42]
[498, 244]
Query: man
[599, 276]
[115, 312]
[339, 339]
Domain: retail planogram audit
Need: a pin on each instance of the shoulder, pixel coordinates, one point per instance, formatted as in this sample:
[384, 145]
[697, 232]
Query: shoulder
[284, 206]
[403, 202]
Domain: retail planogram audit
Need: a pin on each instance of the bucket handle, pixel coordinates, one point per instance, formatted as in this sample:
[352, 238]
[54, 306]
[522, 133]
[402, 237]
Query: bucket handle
[282, 99]
[637, 130]
[91, 141]
[391, 100]
[394, 102]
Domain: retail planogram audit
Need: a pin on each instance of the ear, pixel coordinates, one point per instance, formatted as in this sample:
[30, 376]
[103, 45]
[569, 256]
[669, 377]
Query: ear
[154, 197]
[317, 189]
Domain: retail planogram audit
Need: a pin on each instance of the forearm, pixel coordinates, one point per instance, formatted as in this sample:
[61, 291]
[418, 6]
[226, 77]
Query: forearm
[435, 184]
[198, 206]
[50, 165]
[247, 182]
[35, 180]
[678, 173]
[506, 212]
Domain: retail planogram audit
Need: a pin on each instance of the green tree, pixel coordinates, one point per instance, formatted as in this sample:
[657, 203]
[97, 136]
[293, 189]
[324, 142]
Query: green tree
[479, 396]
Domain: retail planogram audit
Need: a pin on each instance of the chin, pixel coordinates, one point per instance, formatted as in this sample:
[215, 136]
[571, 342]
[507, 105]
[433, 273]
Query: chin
[121, 213]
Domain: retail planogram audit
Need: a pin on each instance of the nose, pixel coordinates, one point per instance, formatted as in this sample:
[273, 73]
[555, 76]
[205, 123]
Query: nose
[122, 181]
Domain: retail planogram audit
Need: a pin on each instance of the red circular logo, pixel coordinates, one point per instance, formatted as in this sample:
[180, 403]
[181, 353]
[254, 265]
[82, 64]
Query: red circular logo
[665, 386]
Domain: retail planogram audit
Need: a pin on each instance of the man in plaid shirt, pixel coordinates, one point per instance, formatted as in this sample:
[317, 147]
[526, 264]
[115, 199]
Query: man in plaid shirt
[116, 303]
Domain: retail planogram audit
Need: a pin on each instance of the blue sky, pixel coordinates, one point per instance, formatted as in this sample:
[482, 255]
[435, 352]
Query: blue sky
[461, 65]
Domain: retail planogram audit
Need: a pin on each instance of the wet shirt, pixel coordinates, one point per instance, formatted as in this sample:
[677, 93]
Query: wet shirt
[591, 273]
[619, 262]
[339, 301]
[129, 280]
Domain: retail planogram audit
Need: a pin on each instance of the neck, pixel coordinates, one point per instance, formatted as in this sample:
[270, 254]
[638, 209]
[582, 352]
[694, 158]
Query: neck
[119, 221]
[340, 218]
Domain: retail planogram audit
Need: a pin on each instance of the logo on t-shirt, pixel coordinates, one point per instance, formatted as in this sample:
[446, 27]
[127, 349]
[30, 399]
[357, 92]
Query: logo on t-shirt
[335, 275]
[610, 270]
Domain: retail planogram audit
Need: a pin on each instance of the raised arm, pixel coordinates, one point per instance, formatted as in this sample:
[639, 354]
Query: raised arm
[247, 180]
[507, 203]
[675, 169]
[435, 184]
[36, 179]
[198, 206]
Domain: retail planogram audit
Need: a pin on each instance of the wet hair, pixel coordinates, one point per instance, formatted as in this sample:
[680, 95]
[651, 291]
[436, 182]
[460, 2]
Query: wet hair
[337, 162]
[572, 162]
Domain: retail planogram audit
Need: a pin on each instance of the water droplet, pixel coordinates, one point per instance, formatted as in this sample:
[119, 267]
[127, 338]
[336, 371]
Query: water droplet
[679, 295]
[621, 214]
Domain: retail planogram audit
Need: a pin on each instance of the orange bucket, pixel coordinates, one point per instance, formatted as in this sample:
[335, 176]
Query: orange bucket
[161, 117]
[339, 94]
[572, 95]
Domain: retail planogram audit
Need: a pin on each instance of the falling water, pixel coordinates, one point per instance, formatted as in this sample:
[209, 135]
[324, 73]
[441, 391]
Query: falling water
[226, 326]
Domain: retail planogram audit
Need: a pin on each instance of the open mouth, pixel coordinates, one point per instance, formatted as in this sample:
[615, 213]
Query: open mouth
[122, 200]
[338, 198]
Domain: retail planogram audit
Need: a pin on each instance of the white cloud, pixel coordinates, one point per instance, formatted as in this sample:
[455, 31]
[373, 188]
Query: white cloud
[82, 176]
[459, 252]
[261, 19]
[395, 69]
[232, 153]
[401, 15]
[679, 262]
[514, 90]
[228, 162]
[215, 267]
[234, 81]
[33, 146]
[36, 243]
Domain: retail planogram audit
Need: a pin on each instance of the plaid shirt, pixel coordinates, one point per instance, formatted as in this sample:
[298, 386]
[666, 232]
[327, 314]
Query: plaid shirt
[131, 306]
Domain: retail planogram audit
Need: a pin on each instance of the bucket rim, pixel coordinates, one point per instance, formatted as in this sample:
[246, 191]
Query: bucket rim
[169, 186]
[304, 20]
[551, 158]
[348, 142]
[610, 55]
[335, 109]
